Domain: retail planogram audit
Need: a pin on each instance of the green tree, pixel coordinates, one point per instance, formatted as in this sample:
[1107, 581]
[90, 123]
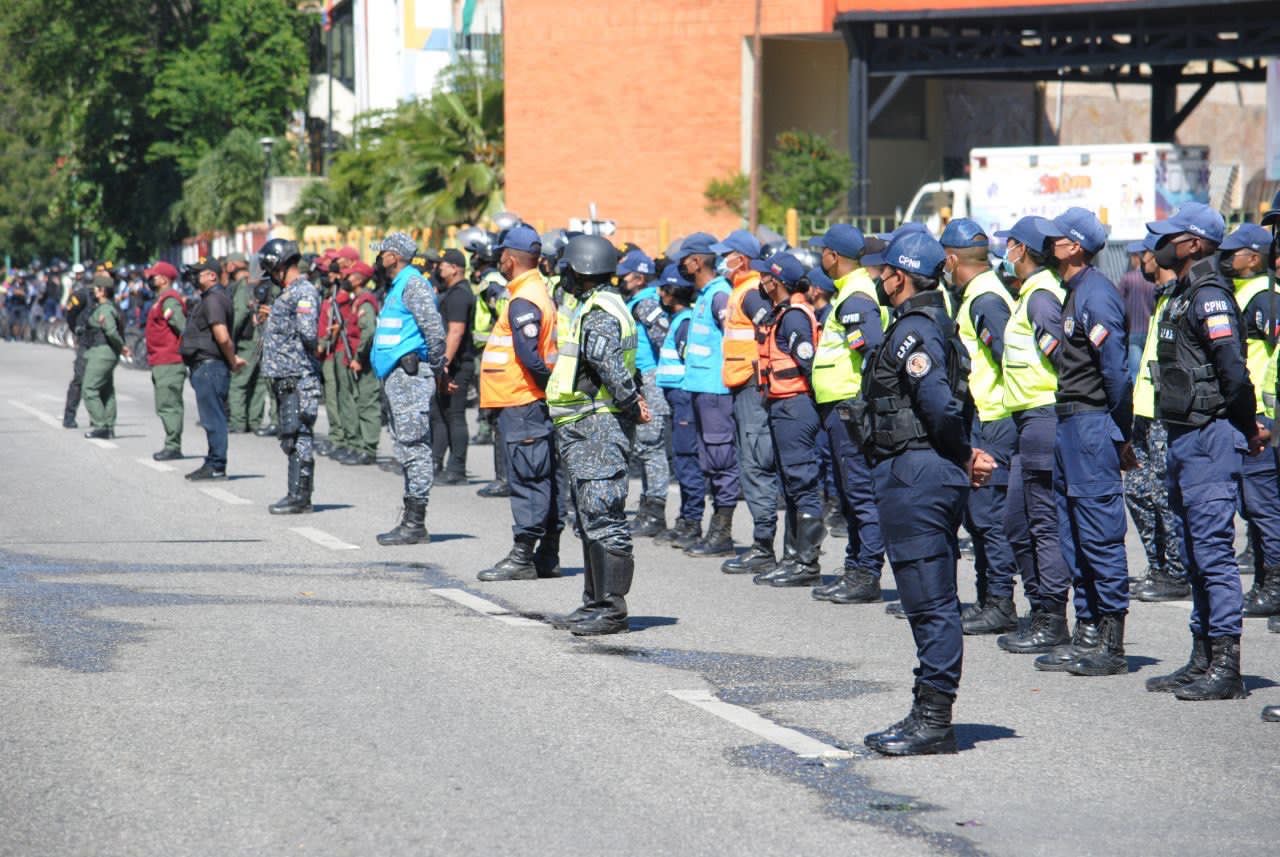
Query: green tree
[806, 172]
[226, 188]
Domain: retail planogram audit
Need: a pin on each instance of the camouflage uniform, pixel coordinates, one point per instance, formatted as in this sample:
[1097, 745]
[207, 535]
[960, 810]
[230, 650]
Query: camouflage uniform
[409, 396]
[650, 440]
[289, 343]
[1147, 496]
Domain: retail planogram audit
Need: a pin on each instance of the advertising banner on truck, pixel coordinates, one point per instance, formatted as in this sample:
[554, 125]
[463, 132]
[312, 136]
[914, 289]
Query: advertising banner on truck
[1273, 120]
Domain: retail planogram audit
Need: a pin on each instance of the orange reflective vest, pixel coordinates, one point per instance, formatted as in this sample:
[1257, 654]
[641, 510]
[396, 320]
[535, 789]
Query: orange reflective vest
[779, 375]
[504, 380]
[739, 334]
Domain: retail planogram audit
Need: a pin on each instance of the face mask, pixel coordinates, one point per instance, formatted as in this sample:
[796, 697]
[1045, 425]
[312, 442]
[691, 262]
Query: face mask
[1226, 265]
[1167, 256]
[722, 268]
[881, 294]
[764, 293]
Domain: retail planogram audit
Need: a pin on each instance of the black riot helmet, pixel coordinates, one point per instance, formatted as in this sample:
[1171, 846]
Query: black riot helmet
[587, 261]
[276, 256]
[553, 244]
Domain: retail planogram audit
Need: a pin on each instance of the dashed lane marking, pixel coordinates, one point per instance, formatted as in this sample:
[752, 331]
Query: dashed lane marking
[37, 413]
[103, 442]
[158, 466]
[323, 539]
[225, 496]
[488, 608]
[797, 742]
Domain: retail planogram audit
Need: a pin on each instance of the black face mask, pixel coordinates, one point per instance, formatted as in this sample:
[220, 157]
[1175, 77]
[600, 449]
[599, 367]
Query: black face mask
[1167, 256]
[764, 293]
[881, 294]
[1226, 266]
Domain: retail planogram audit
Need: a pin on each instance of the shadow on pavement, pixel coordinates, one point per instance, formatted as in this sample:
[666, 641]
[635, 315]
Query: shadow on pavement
[641, 623]
[331, 507]
[969, 735]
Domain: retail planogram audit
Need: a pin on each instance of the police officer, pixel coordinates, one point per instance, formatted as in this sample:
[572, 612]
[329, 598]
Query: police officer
[1095, 419]
[514, 371]
[408, 351]
[820, 290]
[916, 427]
[595, 404]
[983, 313]
[79, 307]
[166, 319]
[677, 298]
[1205, 397]
[786, 344]
[635, 270]
[852, 332]
[757, 465]
[104, 343]
[712, 404]
[1245, 261]
[1028, 372]
[289, 363]
[490, 288]
[1146, 491]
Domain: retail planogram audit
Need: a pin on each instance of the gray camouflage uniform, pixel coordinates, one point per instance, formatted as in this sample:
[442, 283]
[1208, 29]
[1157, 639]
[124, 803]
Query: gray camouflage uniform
[409, 396]
[650, 441]
[288, 346]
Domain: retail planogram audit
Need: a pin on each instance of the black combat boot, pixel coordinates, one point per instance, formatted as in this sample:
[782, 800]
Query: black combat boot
[788, 559]
[926, 730]
[546, 559]
[996, 616]
[516, 565]
[295, 502]
[756, 559]
[496, 488]
[1222, 679]
[564, 621]
[834, 516]
[719, 538]
[1271, 713]
[1047, 630]
[1162, 585]
[978, 606]
[1195, 667]
[1273, 624]
[1266, 595]
[805, 571]
[1084, 640]
[411, 529]
[1244, 559]
[686, 534]
[650, 519]
[1109, 658]
[857, 586]
[613, 573]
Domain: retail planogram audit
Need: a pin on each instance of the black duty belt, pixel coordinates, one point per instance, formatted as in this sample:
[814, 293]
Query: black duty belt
[1070, 409]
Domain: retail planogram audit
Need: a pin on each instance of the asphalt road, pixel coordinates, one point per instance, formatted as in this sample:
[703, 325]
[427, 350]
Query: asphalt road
[183, 674]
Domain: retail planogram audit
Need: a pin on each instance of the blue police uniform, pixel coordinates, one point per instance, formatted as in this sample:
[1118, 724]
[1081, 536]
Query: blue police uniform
[712, 404]
[684, 432]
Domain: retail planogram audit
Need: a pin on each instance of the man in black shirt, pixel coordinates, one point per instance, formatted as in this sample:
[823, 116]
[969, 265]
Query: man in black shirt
[211, 356]
[449, 417]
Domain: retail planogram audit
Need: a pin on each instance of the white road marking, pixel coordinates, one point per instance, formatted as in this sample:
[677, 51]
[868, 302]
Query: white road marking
[159, 466]
[37, 413]
[103, 442]
[225, 496]
[323, 539]
[50, 397]
[488, 608]
[797, 742]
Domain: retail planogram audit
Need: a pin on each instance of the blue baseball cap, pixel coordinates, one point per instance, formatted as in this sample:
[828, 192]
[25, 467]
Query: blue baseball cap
[1135, 248]
[523, 238]
[784, 266]
[635, 262]
[818, 279]
[842, 239]
[963, 232]
[738, 241]
[672, 278]
[1083, 227]
[1031, 231]
[699, 243]
[916, 252]
[1196, 218]
[1250, 236]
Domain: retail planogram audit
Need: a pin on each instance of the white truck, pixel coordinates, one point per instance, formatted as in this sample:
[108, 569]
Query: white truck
[1125, 184]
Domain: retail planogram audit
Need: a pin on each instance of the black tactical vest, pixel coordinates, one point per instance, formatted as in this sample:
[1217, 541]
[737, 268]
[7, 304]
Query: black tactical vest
[889, 425]
[1186, 382]
[1079, 379]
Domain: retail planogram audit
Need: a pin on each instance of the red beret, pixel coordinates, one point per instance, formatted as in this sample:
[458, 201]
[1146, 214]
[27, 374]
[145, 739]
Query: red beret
[347, 252]
[162, 269]
[361, 268]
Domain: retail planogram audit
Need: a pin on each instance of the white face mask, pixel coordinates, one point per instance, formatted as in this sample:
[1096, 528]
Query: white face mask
[722, 267]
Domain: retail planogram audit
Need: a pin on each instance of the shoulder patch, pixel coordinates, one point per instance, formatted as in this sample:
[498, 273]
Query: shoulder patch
[911, 341]
[1047, 343]
[305, 306]
[851, 318]
[1068, 325]
[653, 314]
[759, 316]
[1098, 335]
[530, 330]
[804, 351]
[919, 364]
[524, 318]
[1219, 326]
[1214, 306]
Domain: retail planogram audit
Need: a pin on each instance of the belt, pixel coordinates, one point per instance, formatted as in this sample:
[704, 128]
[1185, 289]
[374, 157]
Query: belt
[1068, 409]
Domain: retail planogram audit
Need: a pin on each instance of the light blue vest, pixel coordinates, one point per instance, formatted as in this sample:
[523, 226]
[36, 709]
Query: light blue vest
[704, 352]
[397, 333]
[670, 364]
[645, 361]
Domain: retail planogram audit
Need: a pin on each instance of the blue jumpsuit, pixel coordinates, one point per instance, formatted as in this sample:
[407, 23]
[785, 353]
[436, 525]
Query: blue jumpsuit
[793, 422]
[684, 431]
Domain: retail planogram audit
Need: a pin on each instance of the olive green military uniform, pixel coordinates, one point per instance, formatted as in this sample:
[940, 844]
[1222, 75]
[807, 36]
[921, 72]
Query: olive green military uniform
[105, 330]
[359, 405]
[247, 396]
[169, 380]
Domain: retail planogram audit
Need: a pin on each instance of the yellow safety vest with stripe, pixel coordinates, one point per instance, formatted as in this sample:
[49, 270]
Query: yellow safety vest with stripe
[1260, 354]
[984, 370]
[837, 368]
[566, 402]
[1030, 381]
[485, 318]
[1144, 389]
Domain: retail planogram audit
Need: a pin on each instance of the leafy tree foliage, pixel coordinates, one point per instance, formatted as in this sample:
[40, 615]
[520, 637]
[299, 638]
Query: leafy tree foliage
[803, 171]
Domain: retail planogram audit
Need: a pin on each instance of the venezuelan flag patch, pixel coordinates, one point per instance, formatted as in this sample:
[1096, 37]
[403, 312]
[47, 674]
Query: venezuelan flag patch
[1219, 326]
[1098, 335]
[856, 340]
